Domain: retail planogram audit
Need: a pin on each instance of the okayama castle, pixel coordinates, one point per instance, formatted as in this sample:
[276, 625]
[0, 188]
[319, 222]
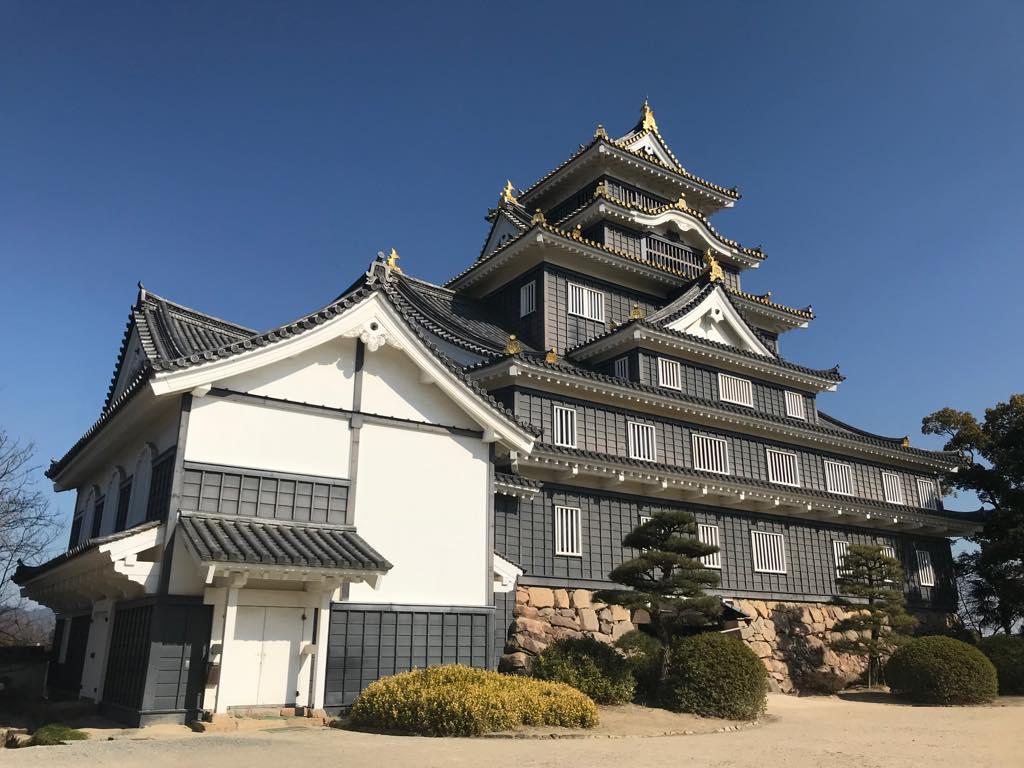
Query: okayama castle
[416, 474]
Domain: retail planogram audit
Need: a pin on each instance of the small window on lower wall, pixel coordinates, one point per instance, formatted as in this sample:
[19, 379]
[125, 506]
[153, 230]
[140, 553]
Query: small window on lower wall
[708, 534]
[769, 552]
[622, 368]
[783, 467]
[839, 550]
[795, 407]
[669, 374]
[642, 443]
[567, 531]
[925, 572]
[889, 552]
[929, 494]
[893, 487]
[838, 478]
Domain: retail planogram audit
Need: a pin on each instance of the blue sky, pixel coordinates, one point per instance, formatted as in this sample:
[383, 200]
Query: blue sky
[249, 159]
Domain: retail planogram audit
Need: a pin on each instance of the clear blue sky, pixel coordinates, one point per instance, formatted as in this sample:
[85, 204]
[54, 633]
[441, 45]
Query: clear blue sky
[249, 159]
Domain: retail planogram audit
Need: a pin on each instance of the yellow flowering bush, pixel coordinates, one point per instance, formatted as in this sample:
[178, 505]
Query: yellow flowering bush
[460, 701]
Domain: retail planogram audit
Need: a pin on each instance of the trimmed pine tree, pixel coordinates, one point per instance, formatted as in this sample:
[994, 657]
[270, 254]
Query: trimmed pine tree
[667, 578]
[874, 579]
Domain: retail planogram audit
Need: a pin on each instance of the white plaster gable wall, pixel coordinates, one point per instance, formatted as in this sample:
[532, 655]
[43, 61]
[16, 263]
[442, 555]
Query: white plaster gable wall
[716, 319]
[392, 387]
[503, 231]
[130, 365]
[262, 436]
[186, 578]
[421, 500]
[649, 145]
[321, 376]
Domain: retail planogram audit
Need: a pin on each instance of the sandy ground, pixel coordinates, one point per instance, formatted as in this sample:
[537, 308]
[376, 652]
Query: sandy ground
[868, 732]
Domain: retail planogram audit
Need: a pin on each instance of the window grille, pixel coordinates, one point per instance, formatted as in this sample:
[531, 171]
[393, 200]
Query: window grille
[711, 454]
[929, 494]
[528, 298]
[567, 531]
[565, 426]
[925, 572]
[769, 552]
[796, 408]
[708, 534]
[783, 467]
[124, 496]
[622, 368]
[733, 389]
[586, 302]
[839, 550]
[97, 517]
[893, 487]
[160, 487]
[838, 478]
[669, 374]
[642, 441]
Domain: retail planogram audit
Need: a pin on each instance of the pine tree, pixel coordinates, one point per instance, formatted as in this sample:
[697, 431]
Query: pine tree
[667, 578]
[874, 577]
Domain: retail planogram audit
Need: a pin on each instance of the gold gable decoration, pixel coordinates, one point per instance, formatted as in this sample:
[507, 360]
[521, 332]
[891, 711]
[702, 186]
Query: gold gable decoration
[392, 262]
[538, 217]
[636, 313]
[513, 346]
[552, 355]
[647, 121]
[600, 132]
[714, 268]
[508, 194]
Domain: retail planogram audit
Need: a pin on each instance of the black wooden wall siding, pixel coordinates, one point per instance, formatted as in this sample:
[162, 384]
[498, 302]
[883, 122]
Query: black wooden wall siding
[125, 680]
[698, 381]
[252, 493]
[367, 642]
[524, 532]
[603, 429]
[504, 305]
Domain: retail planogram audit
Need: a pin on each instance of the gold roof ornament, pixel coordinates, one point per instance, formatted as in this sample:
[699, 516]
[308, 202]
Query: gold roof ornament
[636, 313]
[538, 217]
[601, 190]
[392, 262]
[600, 132]
[508, 194]
[906, 441]
[551, 356]
[577, 233]
[716, 276]
[513, 346]
[647, 121]
[681, 202]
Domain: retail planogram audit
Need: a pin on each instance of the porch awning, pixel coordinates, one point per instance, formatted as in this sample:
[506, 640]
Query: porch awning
[280, 548]
[108, 567]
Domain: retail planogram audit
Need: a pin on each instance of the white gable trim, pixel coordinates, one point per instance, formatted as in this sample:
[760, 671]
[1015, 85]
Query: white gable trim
[505, 574]
[501, 232]
[650, 142]
[716, 318]
[376, 323]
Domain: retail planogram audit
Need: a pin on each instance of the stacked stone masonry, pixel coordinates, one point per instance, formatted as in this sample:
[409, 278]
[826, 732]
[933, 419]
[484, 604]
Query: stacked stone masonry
[791, 639]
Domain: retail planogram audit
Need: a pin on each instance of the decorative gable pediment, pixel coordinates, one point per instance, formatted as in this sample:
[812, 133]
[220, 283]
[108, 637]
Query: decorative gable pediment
[715, 318]
[650, 145]
[502, 232]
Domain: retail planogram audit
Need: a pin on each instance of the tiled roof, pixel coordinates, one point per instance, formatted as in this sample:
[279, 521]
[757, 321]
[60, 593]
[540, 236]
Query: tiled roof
[231, 539]
[24, 573]
[568, 368]
[555, 450]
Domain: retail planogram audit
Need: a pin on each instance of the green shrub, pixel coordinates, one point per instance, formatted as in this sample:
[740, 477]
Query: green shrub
[49, 735]
[590, 666]
[643, 654]
[460, 701]
[715, 675]
[941, 670]
[1006, 652]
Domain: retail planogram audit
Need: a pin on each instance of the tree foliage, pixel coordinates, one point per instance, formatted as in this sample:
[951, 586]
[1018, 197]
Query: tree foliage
[27, 527]
[667, 578]
[874, 578]
[992, 466]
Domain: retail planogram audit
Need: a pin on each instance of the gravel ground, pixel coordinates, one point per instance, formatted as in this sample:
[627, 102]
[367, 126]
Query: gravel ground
[869, 732]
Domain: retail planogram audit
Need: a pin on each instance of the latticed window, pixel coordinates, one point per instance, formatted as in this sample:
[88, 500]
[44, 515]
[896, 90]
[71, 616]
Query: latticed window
[565, 426]
[783, 467]
[796, 408]
[925, 572]
[892, 487]
[669, 374]
[124, 496]
[929, 494]
[839, 550]
[160, 487]
[733, 389]
[567, 531]
[838, 478]
[642, 441]
[528, 298]
[622, 368]
[708, 534]
[97, 517]
[710, 454]
[769, 551]
[586, 302]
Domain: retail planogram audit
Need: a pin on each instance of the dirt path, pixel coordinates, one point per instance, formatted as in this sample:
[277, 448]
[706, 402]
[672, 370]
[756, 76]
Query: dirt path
[828, 732]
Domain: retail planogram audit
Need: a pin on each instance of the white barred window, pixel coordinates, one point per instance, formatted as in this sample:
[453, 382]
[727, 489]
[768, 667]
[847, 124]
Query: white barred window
[622, 368]
[893, 487]
[565, 426]
[710, 454]
[839, 550]
[670, 374]
[795, 406]
[783, 467]
[528, 298]
[642, 441]
[708, 534]
[567, 531]
[733, 389]
[889, 552]
[586, 302]
[929, 494]
[925, 572]
[645, 519]
[769, 552]
[838, 478]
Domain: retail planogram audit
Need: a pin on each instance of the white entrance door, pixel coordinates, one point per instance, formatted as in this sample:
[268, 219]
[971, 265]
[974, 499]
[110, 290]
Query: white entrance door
[266, 649]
